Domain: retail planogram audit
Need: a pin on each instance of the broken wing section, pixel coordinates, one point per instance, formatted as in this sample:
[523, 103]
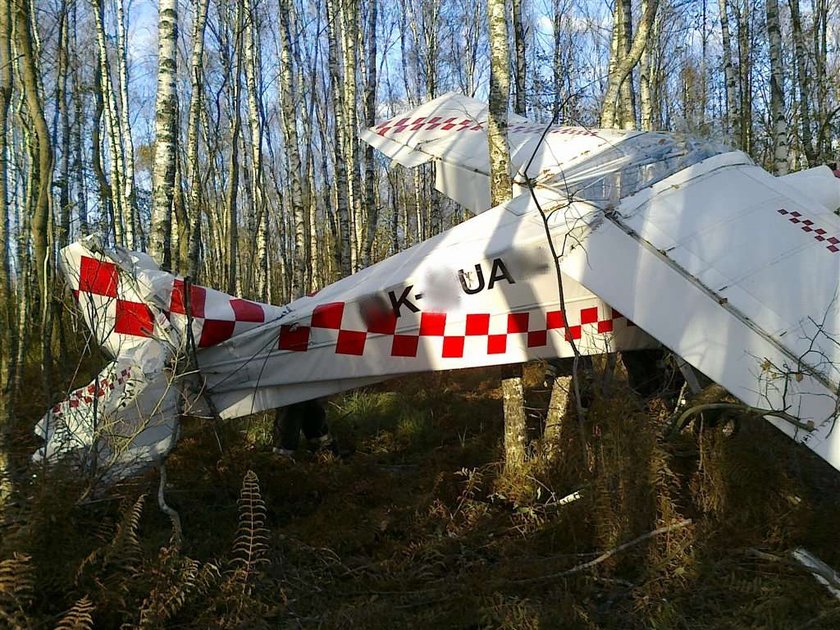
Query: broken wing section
[737, 272]
[126, 418]
[451, 132]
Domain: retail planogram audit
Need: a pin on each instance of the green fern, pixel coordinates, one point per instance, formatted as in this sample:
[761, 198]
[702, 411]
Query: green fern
[79, 617]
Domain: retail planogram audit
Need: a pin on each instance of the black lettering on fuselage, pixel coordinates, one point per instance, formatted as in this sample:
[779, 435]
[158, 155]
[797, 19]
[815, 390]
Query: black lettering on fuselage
[403, 300]
[498, 272]
[463, 278]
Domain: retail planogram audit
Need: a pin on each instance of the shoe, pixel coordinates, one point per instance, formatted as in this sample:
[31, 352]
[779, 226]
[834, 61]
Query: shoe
[285, 453]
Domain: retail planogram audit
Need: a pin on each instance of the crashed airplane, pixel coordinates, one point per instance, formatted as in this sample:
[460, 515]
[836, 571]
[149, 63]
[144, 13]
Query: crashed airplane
[659, 239]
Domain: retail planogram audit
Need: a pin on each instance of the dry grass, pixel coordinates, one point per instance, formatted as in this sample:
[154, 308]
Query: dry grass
[421, 528]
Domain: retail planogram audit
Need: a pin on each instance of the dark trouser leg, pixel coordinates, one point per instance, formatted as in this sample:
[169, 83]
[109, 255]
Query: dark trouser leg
[314, 420]
[287, 425]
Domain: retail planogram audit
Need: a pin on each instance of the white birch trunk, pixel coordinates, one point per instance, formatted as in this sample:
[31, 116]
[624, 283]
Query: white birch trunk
[129, 195]
[193, 124]
[166, 133]
[777, 90]
[733, 118]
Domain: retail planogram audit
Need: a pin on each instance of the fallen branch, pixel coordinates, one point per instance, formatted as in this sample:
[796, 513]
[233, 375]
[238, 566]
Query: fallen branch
[607, 554]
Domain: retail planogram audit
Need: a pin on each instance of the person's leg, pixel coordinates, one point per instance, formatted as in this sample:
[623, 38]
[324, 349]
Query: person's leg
[287, 425]
[315, 427]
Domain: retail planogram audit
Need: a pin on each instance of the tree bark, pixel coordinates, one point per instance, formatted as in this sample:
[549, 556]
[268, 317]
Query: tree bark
[8, 340]
[289, 116]
[42, 181]
[733, 118]
[166, 133]
[501, 191]
[253, 80]
[193, 128]
[370, 121]
[777, 90]
[126, 135]
[520, 75]
[623, 68]
[341, 184]
[804, 80]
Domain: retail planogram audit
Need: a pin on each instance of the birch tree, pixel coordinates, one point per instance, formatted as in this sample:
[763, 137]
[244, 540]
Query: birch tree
[777, 90]
[193, 129]
[520, 74]
[40, 178]
[733, 118]
[8, 350]
[288, 104]
[501, 190]
[622, 68]
[339, 129]
[166, 133]
[370, 119]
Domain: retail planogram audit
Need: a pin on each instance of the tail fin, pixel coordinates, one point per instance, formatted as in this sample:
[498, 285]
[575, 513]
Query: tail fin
[108, 296]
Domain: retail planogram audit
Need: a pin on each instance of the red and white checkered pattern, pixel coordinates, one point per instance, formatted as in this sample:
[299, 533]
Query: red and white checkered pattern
[832, 242]
[216, 316]
[121, 319]
[495, 332]
[457, 123]
[115, 312]
[85, 395]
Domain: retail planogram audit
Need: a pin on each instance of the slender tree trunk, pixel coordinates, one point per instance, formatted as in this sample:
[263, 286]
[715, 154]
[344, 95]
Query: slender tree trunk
[193, 127]
[115, 146]
[253, 80]
[342, 205]
[290, 137]
[232, 194]
[349, 20]
[8, 339]
[42, 180]
[627, 93]
[63, 112]
[777, 90]
[646, 68]
[127, 150]
[804, 80]
[558, 70]
[744, 75]
[166, 133]
[520, 74]
[733, 118]
[501, 191]
[624, 68]
[370, 120]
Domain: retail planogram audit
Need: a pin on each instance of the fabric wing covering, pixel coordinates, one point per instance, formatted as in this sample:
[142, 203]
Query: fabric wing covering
[660, 239]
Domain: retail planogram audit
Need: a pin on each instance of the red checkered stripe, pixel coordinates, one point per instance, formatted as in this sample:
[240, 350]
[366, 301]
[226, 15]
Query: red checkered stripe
[425, 123]
[456, 123]
[85, 395]
[530, 128]
[531, 326]
[216, 316]
[102, 278]
[831, 242]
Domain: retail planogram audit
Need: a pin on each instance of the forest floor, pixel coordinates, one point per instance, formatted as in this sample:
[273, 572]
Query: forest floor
[420, 526]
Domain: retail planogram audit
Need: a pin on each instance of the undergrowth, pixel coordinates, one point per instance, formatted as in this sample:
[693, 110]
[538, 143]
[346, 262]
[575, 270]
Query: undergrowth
[422, 527]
